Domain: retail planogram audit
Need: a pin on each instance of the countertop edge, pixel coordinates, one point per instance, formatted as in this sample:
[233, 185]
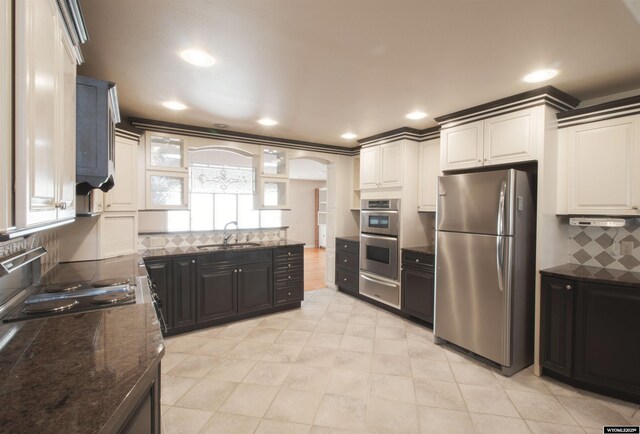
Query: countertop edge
[584, 273]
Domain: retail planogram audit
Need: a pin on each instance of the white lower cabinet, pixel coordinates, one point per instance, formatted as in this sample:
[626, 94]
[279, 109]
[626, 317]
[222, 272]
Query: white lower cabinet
[428, 172]
[108, 235]
[600, 168]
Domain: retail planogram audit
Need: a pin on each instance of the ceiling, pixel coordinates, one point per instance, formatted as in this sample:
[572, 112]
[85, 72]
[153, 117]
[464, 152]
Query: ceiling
[325, 67]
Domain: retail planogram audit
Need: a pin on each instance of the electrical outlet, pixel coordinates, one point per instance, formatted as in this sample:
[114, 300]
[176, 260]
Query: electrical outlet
[626, 247]
[156, 242]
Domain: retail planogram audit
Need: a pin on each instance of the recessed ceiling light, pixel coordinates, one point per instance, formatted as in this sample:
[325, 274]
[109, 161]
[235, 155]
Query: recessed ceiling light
[197, 57]
[349, 136]
[541, 75]
[174, 105]
[416, 115]
[268, 122]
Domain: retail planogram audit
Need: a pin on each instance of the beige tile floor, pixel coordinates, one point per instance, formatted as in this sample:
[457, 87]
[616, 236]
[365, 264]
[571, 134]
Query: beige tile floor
[339, 365]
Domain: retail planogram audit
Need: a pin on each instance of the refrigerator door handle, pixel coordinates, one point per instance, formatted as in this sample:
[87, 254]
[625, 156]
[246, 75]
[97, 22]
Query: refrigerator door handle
[501, 210]
[500, 262]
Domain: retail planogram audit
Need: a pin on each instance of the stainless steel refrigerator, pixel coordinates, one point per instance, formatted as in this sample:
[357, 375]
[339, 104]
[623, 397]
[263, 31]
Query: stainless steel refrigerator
[485, 265]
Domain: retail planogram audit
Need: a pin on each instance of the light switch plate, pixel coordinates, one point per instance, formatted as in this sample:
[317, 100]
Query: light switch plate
[626, 247]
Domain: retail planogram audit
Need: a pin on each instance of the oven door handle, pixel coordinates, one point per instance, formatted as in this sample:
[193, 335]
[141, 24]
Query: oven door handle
[379, 237]
[379, 282]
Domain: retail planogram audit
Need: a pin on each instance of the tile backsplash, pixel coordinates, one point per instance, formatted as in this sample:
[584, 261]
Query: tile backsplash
[600, 247]
[168, 240]
[48, 239]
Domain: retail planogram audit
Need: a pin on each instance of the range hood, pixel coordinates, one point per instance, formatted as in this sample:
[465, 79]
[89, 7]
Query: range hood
[97, 114]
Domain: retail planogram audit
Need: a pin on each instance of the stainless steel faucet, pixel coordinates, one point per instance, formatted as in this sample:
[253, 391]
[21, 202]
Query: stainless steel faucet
[226, 236]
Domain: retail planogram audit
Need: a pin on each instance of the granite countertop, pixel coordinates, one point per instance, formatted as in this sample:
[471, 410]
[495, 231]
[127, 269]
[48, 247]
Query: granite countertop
[425, 250]
[587, 273]
[78, 373]
[350, 238]
[194, 250]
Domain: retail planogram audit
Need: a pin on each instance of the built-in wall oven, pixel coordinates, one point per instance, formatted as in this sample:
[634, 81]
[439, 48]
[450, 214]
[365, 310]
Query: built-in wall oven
[379, 250]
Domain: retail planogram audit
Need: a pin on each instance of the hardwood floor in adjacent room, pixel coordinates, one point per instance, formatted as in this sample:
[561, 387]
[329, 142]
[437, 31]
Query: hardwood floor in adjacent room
[315, 266]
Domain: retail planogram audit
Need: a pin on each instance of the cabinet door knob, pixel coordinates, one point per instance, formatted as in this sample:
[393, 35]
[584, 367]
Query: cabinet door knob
[239, 270]
[289, 253]
[568, 287]
[417, 260]
[345, 279]
[345, 260]
[289, 265]
[288, 293]
[289, 277]
[345, 246]
[193, 261]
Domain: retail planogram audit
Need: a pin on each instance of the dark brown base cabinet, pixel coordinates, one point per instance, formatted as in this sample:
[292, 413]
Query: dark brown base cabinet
[590, 335]
[417, 285]
[348, 266]
[212, 288]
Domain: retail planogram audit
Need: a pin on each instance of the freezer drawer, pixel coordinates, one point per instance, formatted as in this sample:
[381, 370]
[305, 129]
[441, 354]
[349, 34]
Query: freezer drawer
[480, 203]
[381, 290]
[473, 293]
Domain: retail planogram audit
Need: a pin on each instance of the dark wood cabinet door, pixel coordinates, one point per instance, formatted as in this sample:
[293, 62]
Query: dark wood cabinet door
[255, 287]
[184, 292]
[217, 289]
[417, 293]
[556, 325]
[160, 273]
[607, 349]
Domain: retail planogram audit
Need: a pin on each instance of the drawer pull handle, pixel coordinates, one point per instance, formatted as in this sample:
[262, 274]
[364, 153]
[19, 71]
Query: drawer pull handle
[289, 253]
[289, 277]
[289, 265]
[288, 293]
[417, 260]
[345, 261]
[568, 287]
[345, 246]
[193, 261]
[345, 279]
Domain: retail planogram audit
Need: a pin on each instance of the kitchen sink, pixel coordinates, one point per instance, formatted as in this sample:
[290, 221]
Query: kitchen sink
[229, 246]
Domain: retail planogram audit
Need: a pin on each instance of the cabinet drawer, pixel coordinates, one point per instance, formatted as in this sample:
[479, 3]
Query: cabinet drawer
[347, 260]
[347, 279]
[234, 258]
[289, 294]
[286, 252]
[285, 278]
[290, 266]
[347, 246]
[417, 260]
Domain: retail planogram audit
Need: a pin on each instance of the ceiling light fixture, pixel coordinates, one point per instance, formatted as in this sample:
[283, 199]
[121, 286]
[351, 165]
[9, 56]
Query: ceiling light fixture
[268, 122]
[197, 57]
[174, 105]
[416, 115]
[541, 75]
[349, 136]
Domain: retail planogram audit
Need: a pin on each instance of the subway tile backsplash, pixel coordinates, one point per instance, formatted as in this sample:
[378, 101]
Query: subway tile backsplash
[168, 240]
[600, 247]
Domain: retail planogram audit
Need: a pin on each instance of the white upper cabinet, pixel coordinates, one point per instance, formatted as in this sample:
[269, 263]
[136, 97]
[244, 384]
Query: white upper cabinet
[369, 167]
[274, 162]
[507, 138]
[6, 116]
[511, 137]
[462, 146]
[272, 193]
[124, 195]
[44, 116]
[428, 172]
[602, 167]
[166, 152]
[381, 166]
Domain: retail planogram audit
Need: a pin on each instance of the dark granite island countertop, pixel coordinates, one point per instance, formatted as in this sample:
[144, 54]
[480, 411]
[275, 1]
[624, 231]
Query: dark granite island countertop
[199, 250]
[79, 373]
[425, 250]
